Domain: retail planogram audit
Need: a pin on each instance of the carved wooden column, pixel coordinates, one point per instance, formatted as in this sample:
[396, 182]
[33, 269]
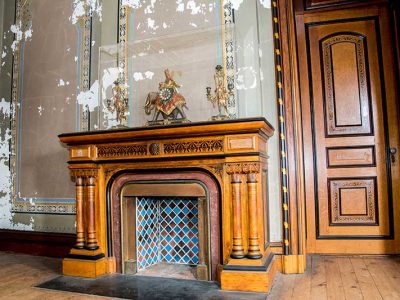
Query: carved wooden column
[85, 180]
[236, 182]
[91, 241]
[254, 241]
[80, 230]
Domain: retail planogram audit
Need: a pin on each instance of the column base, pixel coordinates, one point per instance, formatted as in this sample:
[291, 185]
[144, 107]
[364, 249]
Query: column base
[293, 264]
[86, 263]
[84, 268]
[245, 279]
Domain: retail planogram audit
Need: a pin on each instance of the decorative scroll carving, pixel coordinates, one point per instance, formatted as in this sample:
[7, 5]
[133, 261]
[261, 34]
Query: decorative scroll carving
[204, 146]
[121, 150]
[338, 217]
[109, 172]
[243, 168]
[332, 127]
[217, 170]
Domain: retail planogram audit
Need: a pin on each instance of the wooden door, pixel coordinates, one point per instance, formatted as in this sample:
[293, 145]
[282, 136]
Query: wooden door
[349, 110]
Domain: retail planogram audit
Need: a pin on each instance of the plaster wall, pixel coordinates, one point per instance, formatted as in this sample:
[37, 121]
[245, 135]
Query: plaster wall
[50, 106]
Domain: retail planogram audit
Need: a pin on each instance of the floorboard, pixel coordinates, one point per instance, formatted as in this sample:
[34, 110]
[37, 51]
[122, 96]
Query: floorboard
[318, 278]
[350, 283]
[365, 280]
[326, 277]
[334, 285]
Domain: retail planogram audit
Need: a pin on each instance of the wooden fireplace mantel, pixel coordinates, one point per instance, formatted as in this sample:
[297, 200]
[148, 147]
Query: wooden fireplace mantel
[233, 153]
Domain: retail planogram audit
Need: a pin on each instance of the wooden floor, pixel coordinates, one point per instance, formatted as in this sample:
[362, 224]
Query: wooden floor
[19, 273]
[342, 277]
[327, 277]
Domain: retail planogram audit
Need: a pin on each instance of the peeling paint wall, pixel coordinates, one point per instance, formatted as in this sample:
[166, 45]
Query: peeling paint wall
[55, 100]
[41, 99]
[7, 218]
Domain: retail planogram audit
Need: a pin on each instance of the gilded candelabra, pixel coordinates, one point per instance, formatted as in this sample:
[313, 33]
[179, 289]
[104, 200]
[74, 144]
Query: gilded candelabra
[221, 94]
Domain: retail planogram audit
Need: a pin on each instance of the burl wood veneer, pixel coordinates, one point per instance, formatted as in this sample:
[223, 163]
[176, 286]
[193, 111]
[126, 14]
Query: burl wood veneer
[232, 153]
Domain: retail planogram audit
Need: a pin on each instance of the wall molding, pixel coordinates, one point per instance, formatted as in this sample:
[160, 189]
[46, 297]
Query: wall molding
[32, 204]
[36, 243]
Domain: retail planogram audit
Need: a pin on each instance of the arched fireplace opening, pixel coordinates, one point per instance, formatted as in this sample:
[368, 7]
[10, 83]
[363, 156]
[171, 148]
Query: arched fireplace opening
[165, 224]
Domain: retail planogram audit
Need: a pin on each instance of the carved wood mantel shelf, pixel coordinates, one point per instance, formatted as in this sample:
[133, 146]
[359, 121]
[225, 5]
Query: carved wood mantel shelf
[232, 153]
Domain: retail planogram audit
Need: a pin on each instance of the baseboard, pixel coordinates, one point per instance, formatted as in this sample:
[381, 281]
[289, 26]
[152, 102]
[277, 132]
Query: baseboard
[294, 264]
[36, 243]
[276, 247]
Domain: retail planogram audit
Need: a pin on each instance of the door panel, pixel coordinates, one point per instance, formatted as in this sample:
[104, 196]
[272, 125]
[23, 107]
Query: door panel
[345, 101]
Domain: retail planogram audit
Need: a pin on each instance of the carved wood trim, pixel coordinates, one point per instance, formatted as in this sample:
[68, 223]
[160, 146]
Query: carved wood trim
[107, 151]
[243, 168]
[217, 170]
[204, 146]
[83, 173]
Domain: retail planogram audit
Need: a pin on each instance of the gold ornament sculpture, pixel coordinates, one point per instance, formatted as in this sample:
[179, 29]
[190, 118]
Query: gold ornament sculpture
[167, 103]
[221, 94]
[119, 103]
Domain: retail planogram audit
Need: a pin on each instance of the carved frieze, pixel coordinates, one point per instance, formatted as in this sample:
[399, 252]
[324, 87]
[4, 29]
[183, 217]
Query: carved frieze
[204, 146]
[108, 151]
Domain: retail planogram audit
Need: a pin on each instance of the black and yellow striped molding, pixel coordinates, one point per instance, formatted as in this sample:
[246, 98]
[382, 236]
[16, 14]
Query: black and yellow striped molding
[282, 130]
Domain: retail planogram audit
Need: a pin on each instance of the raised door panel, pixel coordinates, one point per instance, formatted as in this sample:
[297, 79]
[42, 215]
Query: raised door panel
[344, 62]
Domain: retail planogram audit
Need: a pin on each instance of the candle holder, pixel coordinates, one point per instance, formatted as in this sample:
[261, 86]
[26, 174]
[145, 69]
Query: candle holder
[221, 95]
[119, 103]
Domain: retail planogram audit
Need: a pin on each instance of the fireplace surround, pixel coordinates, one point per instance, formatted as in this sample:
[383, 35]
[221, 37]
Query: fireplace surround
[192, 184]
[220, 166]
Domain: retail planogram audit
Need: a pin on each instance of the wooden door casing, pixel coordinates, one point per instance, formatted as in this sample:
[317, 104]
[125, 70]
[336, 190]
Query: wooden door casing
[349, 110]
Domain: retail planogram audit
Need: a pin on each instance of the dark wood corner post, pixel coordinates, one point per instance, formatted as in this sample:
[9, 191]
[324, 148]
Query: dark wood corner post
[85, 181]
[237, 172]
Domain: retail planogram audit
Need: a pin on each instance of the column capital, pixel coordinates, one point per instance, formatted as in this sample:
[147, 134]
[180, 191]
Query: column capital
[243, 168]
[84, 173]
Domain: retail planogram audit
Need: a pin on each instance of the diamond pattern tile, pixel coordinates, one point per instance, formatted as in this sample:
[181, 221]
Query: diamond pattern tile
[179, 230]
[147, 232]
[167, 231]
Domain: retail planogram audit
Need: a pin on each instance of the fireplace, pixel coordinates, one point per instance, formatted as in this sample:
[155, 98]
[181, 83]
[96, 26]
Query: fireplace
[188, 201]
